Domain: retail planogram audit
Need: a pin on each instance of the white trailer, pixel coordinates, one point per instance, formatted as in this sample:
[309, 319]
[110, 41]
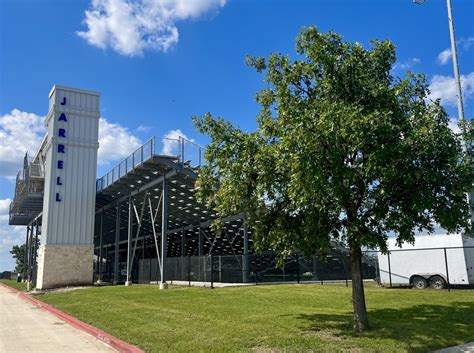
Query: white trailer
[433, 261]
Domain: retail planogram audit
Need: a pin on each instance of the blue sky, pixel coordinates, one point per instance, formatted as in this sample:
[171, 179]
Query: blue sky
[159, 62]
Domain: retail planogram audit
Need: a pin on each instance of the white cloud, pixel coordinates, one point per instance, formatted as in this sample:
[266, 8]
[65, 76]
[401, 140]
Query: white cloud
[115, 142]
[171, 142]
[464, 44]
[453, 125]
[444, 56]
[4, 208]
[130, 27]
[20, 132]
[407, 64]
[444, 87]
[143, 128]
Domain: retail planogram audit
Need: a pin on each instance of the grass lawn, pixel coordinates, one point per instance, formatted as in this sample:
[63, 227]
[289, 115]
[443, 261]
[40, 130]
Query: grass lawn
[304, 317]
[17, 285]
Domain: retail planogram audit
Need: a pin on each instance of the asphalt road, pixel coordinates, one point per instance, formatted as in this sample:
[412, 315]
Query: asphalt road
[27, 328]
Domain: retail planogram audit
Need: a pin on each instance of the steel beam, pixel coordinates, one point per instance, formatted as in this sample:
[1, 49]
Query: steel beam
[153, 219]
[141, 189]
[139, 222]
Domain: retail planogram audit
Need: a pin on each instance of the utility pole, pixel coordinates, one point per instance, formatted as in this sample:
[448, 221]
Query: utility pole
[454, 55]
[457, 78]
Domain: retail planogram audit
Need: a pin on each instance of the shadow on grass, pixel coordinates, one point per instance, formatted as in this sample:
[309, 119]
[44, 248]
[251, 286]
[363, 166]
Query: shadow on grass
[419, 328]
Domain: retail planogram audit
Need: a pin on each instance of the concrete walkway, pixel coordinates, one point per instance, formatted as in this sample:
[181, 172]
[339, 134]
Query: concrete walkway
[27, 328]
[465, 348]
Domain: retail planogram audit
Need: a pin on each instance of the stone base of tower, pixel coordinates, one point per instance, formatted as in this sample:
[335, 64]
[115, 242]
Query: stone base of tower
[64, 265]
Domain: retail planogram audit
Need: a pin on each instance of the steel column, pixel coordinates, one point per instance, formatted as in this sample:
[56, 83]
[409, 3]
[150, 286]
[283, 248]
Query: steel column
[201, 245]
[183, 242]
[246, 254]
[25, 260]
[35, 252]
[99, 258]
[117, 245]
[30, 259]
[128, 282]
[106, 262]
[164, 227]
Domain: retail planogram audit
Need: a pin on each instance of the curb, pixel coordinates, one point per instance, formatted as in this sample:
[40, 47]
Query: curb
[108, 339]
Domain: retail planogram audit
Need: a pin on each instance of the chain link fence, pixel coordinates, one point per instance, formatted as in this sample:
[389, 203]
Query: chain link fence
[239, 269]
[431, 267]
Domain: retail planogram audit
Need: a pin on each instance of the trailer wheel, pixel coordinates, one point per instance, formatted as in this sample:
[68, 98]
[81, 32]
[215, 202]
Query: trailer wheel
[419, 282]
[437, 282]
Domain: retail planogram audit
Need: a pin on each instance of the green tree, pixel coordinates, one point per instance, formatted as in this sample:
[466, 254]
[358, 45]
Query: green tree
[19, 253]
[342, 151]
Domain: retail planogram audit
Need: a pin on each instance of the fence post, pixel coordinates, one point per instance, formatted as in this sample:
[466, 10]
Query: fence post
[322, 275]
[297, 268]
[212, 281]
[258, 268]
[377, 270]
[284, 265]
[389, 269]
[189, 270]
[344, 262]
[220, 268]
[447, 270]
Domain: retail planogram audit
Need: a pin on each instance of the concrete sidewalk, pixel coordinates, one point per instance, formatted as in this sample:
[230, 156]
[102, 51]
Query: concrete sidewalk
[464, 348]
[26, 328]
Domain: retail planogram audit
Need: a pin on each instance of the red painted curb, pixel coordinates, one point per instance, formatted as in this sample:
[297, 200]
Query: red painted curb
[112, 341]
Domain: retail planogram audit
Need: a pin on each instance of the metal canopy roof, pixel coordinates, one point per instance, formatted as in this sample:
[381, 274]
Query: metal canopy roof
[144, 183]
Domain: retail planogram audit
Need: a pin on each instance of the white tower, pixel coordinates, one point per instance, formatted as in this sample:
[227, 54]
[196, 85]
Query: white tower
[67, 244]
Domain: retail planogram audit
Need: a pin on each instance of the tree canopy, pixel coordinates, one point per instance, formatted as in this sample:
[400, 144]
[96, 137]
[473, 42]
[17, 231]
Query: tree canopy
[19, 252]
[342, 151]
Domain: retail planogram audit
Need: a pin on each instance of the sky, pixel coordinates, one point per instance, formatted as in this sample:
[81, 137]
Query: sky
[157, 63]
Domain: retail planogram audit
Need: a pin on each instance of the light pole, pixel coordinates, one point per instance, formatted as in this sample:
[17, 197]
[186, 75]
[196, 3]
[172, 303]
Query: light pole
[455, 57]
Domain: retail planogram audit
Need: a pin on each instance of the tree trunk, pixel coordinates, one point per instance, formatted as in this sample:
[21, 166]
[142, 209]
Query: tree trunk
[358, 297]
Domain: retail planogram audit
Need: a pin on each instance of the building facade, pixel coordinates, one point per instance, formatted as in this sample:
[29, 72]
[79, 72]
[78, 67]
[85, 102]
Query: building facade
[58, 187]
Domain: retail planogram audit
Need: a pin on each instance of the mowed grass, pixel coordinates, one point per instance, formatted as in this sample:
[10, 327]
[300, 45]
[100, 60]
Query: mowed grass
[17, 285]
[304, 317]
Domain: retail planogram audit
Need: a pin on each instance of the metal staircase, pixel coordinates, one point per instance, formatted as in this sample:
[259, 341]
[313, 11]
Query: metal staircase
[29, 190]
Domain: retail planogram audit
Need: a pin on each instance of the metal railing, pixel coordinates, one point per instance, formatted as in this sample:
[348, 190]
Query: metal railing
[36, 170]
[185, 152]
[14, 210]
[28, 180]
